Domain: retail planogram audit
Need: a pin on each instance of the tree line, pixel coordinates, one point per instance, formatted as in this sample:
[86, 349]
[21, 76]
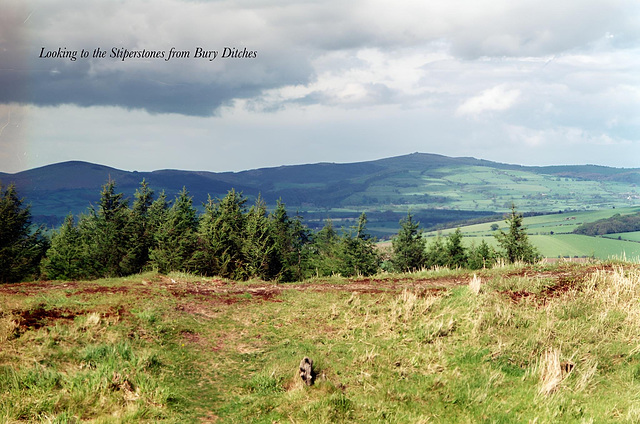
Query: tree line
[615, 224]
[230, 239]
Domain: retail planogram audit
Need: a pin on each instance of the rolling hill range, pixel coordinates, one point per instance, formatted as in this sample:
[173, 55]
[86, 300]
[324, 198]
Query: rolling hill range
[437, 189]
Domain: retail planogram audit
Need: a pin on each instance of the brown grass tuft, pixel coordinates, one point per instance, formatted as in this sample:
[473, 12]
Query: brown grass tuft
[550, 371]
[474, 284]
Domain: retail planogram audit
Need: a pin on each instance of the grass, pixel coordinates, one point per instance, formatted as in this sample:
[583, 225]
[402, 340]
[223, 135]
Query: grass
[552, 235]
[543, 343]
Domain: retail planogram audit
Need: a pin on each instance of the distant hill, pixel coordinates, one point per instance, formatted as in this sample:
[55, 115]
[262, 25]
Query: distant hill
[437, 188]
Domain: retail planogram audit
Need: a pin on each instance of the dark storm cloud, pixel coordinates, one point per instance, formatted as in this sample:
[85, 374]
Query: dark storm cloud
[189, 86]
[289, 38]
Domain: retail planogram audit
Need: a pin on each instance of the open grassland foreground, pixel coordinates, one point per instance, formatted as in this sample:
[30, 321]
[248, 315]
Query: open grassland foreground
[543, 343]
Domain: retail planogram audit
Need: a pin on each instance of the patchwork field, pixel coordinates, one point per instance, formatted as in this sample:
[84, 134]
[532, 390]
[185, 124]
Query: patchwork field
[552, 235]
[542, 343]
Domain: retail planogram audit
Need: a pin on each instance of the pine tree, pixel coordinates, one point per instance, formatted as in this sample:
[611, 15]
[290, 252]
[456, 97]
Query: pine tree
[258, 248]
[358, 253]
[291, 243]
[138, 231]
[221, 237]
[176, 236]
[326, 244]
[21, 247]
[515, 243]
[408, 246]
[157, 216]
[65, 259]
[437, 253]
[456, 253]
[105, 233]
[482, 256]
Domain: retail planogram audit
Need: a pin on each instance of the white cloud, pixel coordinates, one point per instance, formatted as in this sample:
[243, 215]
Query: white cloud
[498, 98]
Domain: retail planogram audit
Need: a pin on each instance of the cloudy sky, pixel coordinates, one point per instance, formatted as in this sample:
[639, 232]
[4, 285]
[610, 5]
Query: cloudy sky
[533, 82]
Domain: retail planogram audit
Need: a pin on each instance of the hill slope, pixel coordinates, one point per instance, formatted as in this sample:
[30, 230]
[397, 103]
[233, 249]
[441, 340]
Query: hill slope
[532, 344]
[417, 181]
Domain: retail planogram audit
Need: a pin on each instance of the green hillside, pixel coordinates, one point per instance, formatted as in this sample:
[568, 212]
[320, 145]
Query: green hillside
[553, 235]
[437, 189]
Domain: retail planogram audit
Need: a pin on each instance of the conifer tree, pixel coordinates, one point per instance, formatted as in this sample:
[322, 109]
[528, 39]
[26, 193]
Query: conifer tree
[156, 216]
[291, 241]
[515, 243]
[176, 237]
[482, 256]
[21, 247]
[358, 253]
[258, 248]
[104, 232]
[437, 253]
[138, 231]
[221, 238]
[326, 251]
[65, 258]
[408, 246]
[456, 253]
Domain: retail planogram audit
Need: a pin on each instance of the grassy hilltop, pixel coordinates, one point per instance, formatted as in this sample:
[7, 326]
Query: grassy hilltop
[540, 343]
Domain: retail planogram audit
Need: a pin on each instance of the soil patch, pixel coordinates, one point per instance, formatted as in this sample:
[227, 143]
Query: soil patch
[39, 317]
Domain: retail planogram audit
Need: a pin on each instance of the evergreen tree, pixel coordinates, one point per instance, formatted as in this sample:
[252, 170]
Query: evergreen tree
[515, 243]
[482, 256]
[437, 253]
[65, 257]
[106, 239]
[291, 241]
[258, 248]
[156, 216]
[21, 247]
[455, 251]
[408, 246]
[138, 231]
[221, 238]
[176, 236]
[358, 253]
[326, 251]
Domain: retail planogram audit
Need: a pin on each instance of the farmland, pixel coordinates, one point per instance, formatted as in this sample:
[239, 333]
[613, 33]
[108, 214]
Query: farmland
[514, 344]
[552, 235]
[436, 188]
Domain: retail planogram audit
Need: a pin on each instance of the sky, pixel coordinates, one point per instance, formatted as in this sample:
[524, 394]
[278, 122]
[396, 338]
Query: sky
[531, 82]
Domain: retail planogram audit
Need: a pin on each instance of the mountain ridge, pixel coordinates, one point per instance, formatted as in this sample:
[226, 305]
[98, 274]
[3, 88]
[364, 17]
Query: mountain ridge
[416, 181]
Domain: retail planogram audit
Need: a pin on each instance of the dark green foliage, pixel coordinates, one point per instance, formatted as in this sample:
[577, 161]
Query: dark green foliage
[515, 243]
[291, 240]
[409, 246]
[437, 253]
[258, 248]
[176, 236]
[357, 253]
[616, 224]
[455, 251]
[221, 236]
[106, 238]
[231, 242]
[139, 231]
[482, 256]
[65, 259]
[325, 260]
[21, 247]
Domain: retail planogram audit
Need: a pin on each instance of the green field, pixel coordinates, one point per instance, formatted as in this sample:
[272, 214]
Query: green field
[485, 188]
[631, 236]
[552, 235]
